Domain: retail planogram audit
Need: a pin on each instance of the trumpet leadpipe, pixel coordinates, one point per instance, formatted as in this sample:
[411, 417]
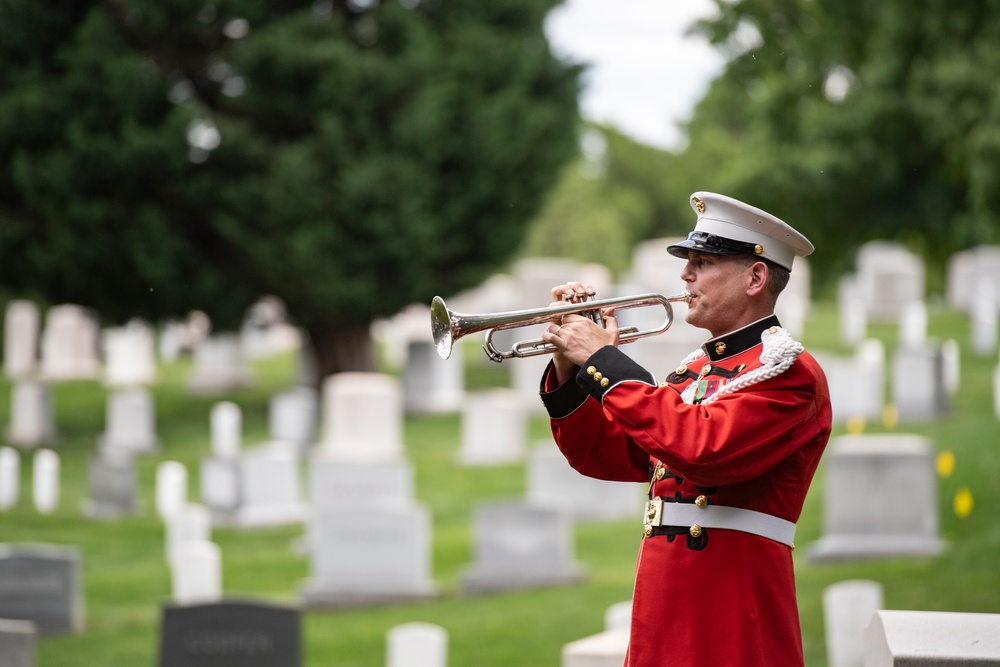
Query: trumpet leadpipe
[448, 326]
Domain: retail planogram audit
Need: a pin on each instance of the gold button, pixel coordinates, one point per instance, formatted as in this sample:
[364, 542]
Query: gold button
[647, 531]
[660, 472]
[681, 370]
[598, 376]
[605, 382]
[706, 369]
[772, 330]
[695, 530]
[591, 370]
[720, 347]
[758, 248]
[701, 501]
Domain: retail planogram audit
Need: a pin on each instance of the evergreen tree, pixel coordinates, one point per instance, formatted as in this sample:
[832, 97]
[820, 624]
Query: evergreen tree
[350, 158]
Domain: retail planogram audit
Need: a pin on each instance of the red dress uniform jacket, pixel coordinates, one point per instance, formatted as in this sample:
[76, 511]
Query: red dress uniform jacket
[744, 424]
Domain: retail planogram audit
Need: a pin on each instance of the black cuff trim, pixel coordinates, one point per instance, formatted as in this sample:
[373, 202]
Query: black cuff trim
[563, 400]
[607, 368]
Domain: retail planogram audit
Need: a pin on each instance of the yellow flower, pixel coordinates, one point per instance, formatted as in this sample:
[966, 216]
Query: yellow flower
[890, 416]
[963, 503]
[856, 425]
[945, 463]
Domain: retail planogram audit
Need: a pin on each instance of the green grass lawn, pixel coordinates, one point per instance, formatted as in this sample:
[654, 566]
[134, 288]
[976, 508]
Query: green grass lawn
[126, 578]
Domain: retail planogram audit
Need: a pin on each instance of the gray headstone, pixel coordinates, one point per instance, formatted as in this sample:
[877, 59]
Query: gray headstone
[270, 487]
[369, 555]
[17, 643]
[605, 649]
[69, 344]
[219, 365]
[932, 639]
[517, 546]
[919, 387]
[494, 428]
[260, 487]
[42, 583]
[112, 487]
[31, 418]
[879, 499]
[334, 483]
[965, 268]
[20, 339]
[889, 277]
[857, 384]
[293, 416]
[552, 483]
[848, 606]
[220, 486]
[362, 417]
[853, 314]
[416, 645]
[230, 634]
[429, 385]
[130, 356]
[131, 422]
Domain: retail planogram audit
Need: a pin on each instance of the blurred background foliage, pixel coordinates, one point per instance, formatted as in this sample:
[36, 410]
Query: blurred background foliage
[353, 157]
[852, 121]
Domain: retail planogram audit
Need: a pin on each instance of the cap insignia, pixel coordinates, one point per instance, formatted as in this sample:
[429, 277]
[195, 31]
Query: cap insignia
[699, 205]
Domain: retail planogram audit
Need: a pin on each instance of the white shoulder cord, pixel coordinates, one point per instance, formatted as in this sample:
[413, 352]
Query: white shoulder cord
[779, 353]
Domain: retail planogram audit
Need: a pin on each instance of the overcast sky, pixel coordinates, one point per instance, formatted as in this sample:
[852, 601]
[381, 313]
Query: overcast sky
[645, 75]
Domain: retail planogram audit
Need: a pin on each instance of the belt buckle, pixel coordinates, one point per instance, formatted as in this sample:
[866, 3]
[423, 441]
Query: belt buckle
[654, 512]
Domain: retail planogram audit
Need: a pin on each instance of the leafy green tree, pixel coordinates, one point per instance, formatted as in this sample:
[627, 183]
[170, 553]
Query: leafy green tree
[349, 157]
[859, 120]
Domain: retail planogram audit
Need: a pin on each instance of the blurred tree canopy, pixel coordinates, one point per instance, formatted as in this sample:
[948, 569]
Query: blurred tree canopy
[855, 120]
[617, 193]
[350, 158]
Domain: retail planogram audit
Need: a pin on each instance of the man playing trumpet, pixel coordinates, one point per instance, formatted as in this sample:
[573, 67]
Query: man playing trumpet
[728, 443]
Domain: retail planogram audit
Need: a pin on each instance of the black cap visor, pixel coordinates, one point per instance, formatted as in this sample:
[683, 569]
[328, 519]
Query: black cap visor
[717, 245]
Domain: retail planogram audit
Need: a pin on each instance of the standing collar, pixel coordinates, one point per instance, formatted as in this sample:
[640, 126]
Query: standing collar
[741, 340]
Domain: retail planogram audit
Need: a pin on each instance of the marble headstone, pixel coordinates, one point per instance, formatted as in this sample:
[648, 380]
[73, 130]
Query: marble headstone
[518, 546]
[879, 499]
[366, 555]
[20, 339]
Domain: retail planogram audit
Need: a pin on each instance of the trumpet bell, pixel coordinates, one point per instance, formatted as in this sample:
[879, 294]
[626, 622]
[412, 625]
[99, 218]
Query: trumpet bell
[441, 327]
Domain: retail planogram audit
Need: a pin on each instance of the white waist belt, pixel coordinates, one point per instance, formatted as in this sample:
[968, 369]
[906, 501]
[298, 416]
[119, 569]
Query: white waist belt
[659, 513]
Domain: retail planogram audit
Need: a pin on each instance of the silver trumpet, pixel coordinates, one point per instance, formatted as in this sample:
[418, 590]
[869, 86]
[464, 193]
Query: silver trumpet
[448, 326]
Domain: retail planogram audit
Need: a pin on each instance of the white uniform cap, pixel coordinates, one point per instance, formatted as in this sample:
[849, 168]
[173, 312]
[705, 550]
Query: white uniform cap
[727, 226]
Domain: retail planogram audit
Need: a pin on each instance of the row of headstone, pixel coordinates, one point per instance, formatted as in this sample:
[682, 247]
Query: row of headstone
[45, 479]
[920, 382]
[72, 347]
[248, 488]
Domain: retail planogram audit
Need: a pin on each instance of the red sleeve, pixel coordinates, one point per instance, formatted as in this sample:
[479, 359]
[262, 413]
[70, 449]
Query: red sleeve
[611, 431]
[738, 437]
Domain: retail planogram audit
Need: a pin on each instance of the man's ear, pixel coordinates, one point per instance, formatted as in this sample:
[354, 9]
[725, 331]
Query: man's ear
[756, 278]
